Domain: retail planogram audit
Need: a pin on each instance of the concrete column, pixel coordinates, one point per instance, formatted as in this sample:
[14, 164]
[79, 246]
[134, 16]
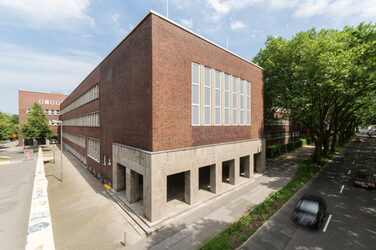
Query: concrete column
[251, 166]
[234, 171]
[191, 186]
[215, 177]
[119, 178]
[247, 166]
[131, 190]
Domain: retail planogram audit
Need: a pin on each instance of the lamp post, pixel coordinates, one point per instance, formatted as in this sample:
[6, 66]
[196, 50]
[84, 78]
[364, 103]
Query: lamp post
[61, 148]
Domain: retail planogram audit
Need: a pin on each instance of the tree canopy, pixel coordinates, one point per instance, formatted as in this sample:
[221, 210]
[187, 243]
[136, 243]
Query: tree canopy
[322, 79]
[36, 126]
[7, 127]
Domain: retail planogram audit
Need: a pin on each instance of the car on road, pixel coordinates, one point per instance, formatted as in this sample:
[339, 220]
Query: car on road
[364, 180]
[358, 139]
[309, 211]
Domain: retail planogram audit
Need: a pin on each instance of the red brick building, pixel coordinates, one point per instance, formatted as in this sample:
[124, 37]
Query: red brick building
[50, 102]
[280, 130]
[166, 116]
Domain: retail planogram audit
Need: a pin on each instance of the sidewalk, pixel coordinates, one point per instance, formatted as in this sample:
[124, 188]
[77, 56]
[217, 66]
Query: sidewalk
[204, 222]
[83, 216]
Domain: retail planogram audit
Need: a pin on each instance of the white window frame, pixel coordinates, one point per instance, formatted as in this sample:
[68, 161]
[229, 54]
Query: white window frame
[217, 89]
[207, 106]
[198, 86]
[46, 101]
[249, 91]
[226, 93]
[241, 101]
[234, 101]
[57, 102]
[40, 101]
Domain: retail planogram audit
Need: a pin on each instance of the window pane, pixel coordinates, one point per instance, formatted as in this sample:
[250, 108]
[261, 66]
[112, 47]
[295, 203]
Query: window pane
[241, 117]
[195, 69]
[234, 86]
[227, 99]
[227, 116]
[217, 80]
[248, 117]
[241, 102]
[234, 100]
[234, 120]
[227, 85]
[217, 97]
[207, 116]
[195, 114]
[248, 88]
[195, 94]
[207, 76]
[241, 86]
[217, 116]
[207, 96]
[248, 103]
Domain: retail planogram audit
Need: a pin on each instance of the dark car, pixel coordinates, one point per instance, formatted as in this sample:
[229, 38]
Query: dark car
[364, 180]
[309, 212]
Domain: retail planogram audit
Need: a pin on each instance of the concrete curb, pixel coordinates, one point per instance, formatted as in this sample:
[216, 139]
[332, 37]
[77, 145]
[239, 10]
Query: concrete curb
[39, 233]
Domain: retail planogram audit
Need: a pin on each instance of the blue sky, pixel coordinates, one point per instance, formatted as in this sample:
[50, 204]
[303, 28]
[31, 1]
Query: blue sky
[52, 45]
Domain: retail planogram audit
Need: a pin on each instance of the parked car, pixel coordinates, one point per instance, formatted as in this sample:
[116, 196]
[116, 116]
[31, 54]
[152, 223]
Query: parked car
[358, 139]
[364, 180]
[309, 212]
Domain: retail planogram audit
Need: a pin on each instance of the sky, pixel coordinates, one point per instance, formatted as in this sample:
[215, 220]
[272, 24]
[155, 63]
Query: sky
[52, 45]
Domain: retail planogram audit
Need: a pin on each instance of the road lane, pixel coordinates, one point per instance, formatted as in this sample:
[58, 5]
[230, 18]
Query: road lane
[353, 221]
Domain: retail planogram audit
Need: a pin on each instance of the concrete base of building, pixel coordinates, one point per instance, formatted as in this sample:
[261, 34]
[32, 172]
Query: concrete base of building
[166, 180]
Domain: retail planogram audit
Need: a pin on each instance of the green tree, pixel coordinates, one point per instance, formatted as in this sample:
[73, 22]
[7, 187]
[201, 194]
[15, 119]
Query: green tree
[7, 128]
[320, 79]
[36, 126]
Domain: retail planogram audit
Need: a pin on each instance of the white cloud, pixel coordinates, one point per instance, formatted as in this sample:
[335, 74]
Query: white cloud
[222, 8]
[59, 13]
[336, 9]
[237, 25]
[24, 68]
[115, 19]
[187, 23]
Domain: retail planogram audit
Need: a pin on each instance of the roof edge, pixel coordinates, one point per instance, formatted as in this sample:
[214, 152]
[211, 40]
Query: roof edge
[199, 36]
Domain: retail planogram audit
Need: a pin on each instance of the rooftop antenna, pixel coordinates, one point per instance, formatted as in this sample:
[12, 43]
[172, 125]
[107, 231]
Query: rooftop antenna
[167, 8]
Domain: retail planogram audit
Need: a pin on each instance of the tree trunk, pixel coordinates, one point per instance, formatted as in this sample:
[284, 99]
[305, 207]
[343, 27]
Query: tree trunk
[318, 148]
[334, 142]
[325, 151]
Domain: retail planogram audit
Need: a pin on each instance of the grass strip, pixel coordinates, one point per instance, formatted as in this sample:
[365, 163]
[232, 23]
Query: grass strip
[241, 230]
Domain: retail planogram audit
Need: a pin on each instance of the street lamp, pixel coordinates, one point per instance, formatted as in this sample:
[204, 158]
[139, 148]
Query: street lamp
[61, 147]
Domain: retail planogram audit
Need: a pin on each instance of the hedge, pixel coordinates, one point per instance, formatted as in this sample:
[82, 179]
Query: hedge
[280, 149]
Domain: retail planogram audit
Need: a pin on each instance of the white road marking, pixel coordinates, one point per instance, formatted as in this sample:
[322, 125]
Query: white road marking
[341, 189]
[327, 223]
[349, 172]
[353, 162]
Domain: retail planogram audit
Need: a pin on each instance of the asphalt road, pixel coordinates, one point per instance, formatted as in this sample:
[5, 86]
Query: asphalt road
[15, 199]
[353, 210]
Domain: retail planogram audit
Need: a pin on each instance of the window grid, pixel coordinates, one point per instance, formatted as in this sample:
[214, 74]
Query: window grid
[226, 105]
[195, 94]
[88, 120]
[207, 96]
[248, 103]
[88, 96]
[241, 87]
[234, 101]
[217, 98]
[93, 149]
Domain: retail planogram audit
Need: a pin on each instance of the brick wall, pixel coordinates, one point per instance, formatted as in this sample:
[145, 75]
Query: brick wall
[174, 49]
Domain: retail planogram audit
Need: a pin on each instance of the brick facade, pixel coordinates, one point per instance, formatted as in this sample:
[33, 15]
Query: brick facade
[26, 100]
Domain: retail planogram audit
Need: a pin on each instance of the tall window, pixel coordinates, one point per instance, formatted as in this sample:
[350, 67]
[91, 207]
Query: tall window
[57, 102]
[195, 94]
[226, 105]
[217, 98]
[207, 97]
[93, 148]
[40, 101]
[241, 100]
[234, 101]
[248, 103]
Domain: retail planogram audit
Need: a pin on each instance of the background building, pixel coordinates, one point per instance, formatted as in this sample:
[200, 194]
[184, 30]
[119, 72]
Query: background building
[50, 102]
[280, 130]
[169, 118]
